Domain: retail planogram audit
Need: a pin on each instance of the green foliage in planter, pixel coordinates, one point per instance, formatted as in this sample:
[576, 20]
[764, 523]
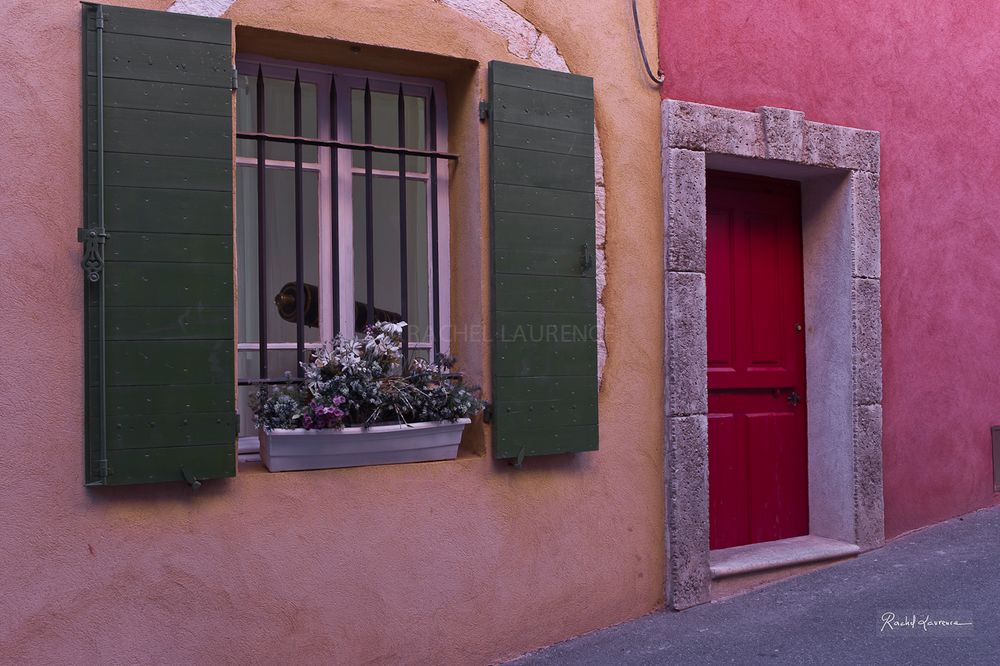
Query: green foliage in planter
[351, 382]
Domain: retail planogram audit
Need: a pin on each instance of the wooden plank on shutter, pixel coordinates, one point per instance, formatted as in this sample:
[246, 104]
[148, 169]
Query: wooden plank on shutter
[148, 283]
[153, 133]
[544, 305]
[159, 24]
[144, 58]
[155, 96]
[166, 291]
[165, 171]
[156, 209]
[530, 293]
[534, 201]
[157, 323]
[182, 248]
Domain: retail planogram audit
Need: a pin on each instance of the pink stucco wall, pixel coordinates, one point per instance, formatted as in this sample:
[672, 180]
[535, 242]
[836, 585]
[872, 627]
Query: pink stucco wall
[924, 75]
[460, 562]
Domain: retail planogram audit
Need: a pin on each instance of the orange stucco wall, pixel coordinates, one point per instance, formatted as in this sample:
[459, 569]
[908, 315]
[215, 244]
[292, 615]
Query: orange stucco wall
[457, 562]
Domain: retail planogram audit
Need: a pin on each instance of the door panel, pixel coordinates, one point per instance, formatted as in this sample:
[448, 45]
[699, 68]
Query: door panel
[756, 361]
[754, 285]
[720, 297]
[764, 302]
[729, 520]
[777, 477]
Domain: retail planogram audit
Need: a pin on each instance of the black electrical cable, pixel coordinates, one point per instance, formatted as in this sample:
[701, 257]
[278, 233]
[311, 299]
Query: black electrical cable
[658, 77]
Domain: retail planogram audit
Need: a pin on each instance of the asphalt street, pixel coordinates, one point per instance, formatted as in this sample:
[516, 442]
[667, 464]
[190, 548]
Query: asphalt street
[930, 597]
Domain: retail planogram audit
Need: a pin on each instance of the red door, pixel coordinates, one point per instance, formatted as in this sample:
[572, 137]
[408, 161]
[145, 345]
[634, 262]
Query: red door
[757, 470]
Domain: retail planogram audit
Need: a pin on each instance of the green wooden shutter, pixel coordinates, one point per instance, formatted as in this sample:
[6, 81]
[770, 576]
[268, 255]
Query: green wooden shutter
[544, 289]
[165, 292]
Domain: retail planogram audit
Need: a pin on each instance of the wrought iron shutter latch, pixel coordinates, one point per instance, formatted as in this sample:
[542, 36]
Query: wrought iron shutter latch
[93, 252]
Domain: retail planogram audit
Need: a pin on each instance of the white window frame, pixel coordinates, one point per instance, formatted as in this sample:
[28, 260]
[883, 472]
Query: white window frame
[346, 80]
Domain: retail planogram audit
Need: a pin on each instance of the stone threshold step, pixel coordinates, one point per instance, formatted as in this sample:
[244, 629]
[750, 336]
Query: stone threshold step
[756, 557]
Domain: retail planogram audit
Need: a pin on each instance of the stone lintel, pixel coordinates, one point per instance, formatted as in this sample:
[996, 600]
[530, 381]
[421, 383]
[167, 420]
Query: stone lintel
[769, 133]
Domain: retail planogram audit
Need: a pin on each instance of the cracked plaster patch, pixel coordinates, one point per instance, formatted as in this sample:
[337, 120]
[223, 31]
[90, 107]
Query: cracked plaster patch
[201, 7]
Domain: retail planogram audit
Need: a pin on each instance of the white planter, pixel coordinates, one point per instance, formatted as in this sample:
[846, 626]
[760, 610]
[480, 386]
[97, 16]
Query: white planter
[286, 450]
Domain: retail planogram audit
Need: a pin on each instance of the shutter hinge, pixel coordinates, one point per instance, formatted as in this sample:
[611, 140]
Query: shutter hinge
[99, 21]
[488, 412]
[234, 78]
[237, 425]
[484, 110]
[93, 252]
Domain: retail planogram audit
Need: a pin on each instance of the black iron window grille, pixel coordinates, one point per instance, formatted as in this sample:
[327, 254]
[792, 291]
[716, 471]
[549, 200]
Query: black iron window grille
[341, 213]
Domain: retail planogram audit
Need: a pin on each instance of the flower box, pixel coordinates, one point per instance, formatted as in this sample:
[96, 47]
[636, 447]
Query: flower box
[299, 449]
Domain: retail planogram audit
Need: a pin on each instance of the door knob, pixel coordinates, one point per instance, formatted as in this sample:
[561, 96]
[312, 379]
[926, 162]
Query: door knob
[794, 399]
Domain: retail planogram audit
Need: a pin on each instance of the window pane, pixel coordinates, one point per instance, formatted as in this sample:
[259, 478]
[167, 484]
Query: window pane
[416, 132]
[388, 289]
[280, 253]
[279, 362]
[246, 114]
[386, 249]
[246, 254]
[278, 116]
[385, 128]
[243, 407]
[420, 353]
[418, 261]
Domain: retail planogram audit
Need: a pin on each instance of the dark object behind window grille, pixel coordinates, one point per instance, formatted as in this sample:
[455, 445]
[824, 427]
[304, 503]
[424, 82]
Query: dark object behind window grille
[288, 309]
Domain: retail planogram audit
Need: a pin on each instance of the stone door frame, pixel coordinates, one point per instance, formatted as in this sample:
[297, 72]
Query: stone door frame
[838, 168]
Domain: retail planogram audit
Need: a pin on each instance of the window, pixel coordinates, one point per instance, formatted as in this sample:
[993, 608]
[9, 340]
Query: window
[337, 225]
[328, 208]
